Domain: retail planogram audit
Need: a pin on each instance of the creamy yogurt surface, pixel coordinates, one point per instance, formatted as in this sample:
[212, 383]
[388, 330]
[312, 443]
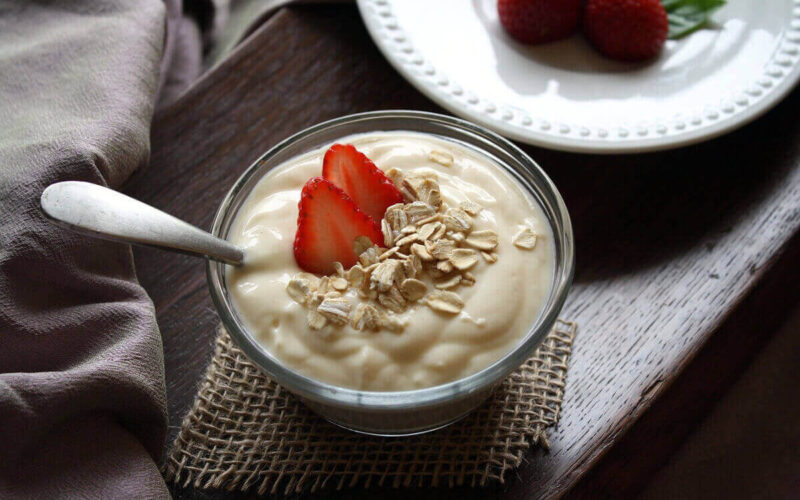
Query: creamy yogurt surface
[434, 348]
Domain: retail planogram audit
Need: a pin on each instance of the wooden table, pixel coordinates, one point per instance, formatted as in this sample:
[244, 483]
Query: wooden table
[686, 259]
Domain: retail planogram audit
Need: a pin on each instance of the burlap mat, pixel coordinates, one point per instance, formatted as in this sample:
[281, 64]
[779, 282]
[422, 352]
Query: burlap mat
[247, 433]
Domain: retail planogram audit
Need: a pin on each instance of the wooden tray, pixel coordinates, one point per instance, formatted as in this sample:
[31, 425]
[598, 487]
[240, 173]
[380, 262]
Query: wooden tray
[679, 253]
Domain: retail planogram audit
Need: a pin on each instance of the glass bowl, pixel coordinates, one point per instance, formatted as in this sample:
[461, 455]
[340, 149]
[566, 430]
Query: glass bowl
[420, 410]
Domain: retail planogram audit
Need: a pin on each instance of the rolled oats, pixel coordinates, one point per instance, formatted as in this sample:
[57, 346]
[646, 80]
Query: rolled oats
[448, 283]
[361, 244]
[396, 217]
[470, 207]
[457, 237]
[369, 256]
[444, 301]
[428, 192]
[482, 240]
[388, 234]
[432, 271]
[388, 253]
[444, 266]
[315, 320]
[489, 257]
[441, 249]
[433, 218]
[418, 210]
[419, 187]
[439, 232]
[300, 289]
[433, 198]
[412, 266]
[395, 175]
[322, 285]
[463, 258]
[407, 240]
[385, 275]
[421, 252]
[335, 309]
[427, 230]
[339, 283]
[393, 300]
[315, 300]
[413, 289]
[457, 220]
[441, 157]
[525, 238]
[365, 317]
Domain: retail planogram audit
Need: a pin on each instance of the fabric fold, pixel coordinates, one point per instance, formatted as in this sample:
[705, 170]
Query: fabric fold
[82, 393]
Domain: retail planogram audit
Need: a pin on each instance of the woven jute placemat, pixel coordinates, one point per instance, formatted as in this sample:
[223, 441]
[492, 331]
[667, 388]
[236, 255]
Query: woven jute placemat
[247, 433]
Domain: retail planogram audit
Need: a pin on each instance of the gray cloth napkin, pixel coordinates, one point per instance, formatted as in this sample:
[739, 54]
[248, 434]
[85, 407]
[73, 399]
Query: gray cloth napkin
[82, 396]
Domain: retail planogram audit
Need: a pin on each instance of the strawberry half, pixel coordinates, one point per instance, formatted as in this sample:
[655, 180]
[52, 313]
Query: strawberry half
[327, 224]
[365, 183]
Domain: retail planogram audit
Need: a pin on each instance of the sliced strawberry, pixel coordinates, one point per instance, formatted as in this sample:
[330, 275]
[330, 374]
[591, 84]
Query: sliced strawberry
[365, 183]
[327, 224]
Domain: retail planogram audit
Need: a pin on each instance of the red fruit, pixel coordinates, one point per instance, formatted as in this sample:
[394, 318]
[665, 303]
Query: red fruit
[327, 224]
[629, 30]
[365, 183]
[539, 21]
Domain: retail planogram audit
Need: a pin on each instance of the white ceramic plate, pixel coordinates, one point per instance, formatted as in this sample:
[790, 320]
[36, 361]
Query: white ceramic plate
[566, 96]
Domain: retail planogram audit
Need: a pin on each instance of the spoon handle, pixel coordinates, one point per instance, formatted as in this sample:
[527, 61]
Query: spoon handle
[104, 213]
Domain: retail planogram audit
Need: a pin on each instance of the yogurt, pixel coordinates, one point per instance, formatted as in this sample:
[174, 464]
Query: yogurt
[433, 347]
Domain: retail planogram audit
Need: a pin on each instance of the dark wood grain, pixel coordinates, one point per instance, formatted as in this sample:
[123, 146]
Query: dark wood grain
[670, 245]
[646, 447]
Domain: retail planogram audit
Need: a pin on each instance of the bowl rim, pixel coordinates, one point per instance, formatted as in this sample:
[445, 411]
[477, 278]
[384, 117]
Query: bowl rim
[325, 393]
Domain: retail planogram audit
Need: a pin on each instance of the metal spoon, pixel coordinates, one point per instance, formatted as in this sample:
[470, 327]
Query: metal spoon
[104, 213]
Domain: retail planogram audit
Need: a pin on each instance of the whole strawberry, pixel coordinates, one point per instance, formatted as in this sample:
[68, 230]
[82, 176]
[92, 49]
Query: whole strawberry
[628, 30]
[539, 21]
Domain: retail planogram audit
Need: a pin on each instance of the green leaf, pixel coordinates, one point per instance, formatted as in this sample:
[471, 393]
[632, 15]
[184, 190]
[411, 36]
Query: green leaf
[687, 16]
